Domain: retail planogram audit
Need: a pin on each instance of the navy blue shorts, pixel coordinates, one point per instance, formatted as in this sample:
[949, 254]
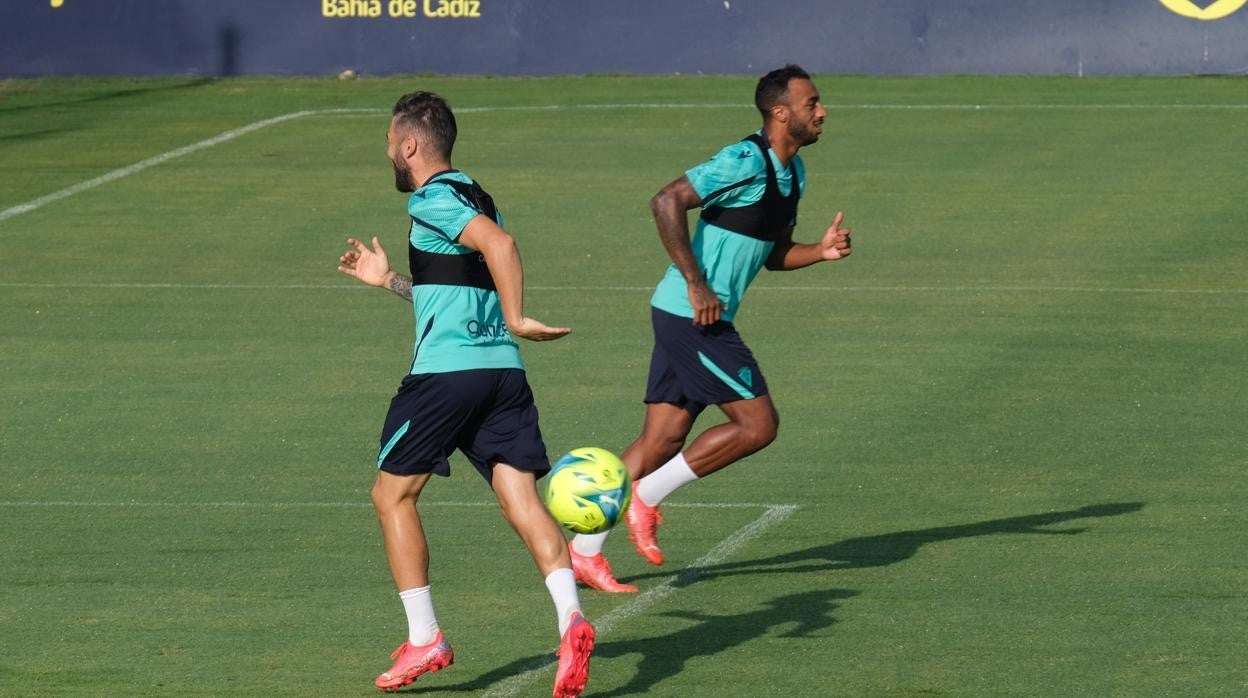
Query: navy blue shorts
[488, 414]
[695, 366]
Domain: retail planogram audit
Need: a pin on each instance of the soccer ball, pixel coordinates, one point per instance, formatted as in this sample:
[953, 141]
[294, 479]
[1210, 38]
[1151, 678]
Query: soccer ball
[588, 490]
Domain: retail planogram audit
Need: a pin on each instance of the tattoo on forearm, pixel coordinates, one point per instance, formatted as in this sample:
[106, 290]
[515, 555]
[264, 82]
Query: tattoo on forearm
[402, 286]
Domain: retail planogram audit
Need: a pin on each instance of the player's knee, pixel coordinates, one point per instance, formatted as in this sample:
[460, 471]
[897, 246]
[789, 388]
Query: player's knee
[381, 502]
[386, 499]
[760, 432]
[655, 447]
[664, 446]
[506, 503]
[763, 435]
[516, 502]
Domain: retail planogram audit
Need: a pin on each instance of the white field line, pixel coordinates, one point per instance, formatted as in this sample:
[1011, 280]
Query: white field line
[648, 289]
[144, 164]
[622, 614]
[254, 126]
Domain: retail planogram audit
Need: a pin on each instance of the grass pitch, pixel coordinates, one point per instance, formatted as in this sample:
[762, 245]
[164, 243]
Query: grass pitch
[1012, 422]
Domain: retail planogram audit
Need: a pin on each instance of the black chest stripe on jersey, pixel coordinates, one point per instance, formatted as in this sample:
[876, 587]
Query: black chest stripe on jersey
[767, 217]
[468, 269]
[449, 269]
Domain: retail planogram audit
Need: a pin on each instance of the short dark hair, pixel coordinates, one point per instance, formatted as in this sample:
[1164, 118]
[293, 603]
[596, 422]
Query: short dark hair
[431, 115]
[773, 86]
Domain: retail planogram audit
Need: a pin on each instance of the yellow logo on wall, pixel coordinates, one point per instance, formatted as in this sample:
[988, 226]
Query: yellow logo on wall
[57, 3]
[1217, 10]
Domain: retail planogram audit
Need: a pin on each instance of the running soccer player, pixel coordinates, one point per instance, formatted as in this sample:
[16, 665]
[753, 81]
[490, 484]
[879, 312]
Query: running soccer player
[466, 388]
[748, 193]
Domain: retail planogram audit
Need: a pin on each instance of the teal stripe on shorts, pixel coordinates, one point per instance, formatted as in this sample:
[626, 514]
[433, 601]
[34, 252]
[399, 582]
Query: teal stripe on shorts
[398, 434]
[728, 380]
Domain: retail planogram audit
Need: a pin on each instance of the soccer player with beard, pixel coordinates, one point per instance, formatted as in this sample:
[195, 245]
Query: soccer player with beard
[466, 388]
[748, 193]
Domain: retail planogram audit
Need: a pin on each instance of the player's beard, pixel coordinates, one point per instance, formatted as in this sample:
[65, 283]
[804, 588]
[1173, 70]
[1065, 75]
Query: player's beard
[802, 134]
[402, 177]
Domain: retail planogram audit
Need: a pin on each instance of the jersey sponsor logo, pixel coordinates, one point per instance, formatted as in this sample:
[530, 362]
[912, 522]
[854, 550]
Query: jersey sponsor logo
[1215, 10]
[747, 153]
[477, 330]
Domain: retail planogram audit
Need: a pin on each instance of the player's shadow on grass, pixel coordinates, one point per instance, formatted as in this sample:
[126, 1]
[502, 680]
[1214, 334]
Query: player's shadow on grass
[666, 655]
[890, 548]
[794, 616]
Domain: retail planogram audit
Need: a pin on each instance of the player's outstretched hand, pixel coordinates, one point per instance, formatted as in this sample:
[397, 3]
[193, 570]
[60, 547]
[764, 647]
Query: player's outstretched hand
[368, 265]
[536, 330]
[836, 242]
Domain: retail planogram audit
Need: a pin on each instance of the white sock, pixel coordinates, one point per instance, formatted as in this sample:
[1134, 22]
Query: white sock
[589, 544]
[422, 626]
[562, 587]
[664, 481]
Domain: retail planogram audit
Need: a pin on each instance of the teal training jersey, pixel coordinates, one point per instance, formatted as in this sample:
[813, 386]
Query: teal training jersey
[736, 176]
[458, 327]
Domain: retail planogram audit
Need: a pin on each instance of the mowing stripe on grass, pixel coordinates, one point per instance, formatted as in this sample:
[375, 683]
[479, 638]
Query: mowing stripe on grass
[1000, 107]
[254, 126]
[604, 625]
[243, 130]
[772, 515]
[328, 505]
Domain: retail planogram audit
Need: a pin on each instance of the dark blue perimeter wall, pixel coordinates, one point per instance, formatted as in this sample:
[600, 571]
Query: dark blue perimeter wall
[545, 37]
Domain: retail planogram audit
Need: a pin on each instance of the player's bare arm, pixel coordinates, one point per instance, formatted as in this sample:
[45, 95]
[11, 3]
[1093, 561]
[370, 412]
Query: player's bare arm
[670, 208]
[788, 255]
[371, 266]
[503, 259]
